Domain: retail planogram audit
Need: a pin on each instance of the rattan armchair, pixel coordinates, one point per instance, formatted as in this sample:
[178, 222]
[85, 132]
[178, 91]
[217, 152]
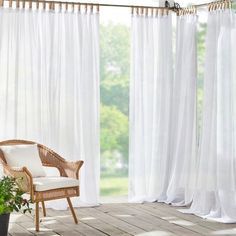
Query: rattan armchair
[50, 159]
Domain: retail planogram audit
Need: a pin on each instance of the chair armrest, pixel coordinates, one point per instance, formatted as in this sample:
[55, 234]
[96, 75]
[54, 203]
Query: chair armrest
[23, 178]
[52, 159]
[66, 168]
[72, 168]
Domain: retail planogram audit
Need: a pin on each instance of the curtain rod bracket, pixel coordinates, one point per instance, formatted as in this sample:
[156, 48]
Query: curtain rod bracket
[176, 7]
[167, 4]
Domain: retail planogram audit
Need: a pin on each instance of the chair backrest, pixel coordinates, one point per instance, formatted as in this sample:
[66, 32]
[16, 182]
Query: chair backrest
[47, 156]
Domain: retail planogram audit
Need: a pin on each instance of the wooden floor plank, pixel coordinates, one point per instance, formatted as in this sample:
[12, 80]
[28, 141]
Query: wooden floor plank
[116, 222]
[158, 222]
[150, 219]
[30, 227]
[135, 218]
[174, 218]
[64, 217]
[16, 230]
[96, 222]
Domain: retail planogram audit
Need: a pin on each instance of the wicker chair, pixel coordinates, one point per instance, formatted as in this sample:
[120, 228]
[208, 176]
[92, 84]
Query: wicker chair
[50, 159]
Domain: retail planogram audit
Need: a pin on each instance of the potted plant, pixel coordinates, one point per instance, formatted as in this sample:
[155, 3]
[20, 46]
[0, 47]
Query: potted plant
[11, 199]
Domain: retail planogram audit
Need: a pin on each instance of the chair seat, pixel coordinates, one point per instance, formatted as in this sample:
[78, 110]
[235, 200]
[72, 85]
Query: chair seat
[49, 183]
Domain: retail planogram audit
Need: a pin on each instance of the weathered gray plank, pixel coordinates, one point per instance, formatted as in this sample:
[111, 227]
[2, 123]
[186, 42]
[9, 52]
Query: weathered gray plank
[174, 219]
[119, 219]
[16, 230]
[95, 222]
[64, 217]
[114, 221]
[134, 217]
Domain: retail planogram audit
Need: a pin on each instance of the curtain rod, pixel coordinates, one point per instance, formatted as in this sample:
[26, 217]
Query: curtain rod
[213, 2]
[175, 8]
[83, 4]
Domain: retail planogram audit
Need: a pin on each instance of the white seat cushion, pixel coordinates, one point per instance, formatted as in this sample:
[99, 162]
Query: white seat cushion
[24, 155]
[48, 183]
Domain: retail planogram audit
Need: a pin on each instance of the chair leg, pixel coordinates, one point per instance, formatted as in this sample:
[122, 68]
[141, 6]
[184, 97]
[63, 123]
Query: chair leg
[37, 216]
[72, 210]
[44, 209]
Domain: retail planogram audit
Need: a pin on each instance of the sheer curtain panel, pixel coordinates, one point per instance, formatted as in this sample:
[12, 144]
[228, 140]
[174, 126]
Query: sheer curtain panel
[49, 93]
[183, 132]
[150, 105]
[215, 193]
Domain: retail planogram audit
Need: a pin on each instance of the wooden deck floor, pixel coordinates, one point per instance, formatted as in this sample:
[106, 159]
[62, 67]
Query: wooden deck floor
[120, 219]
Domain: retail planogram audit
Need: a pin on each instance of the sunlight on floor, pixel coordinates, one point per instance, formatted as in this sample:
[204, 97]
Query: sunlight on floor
[169, 218]
[155, 233]
[88, 218]
[182, 222]
[124, 216]
[42, 230]
[225, 232]
[49, 222]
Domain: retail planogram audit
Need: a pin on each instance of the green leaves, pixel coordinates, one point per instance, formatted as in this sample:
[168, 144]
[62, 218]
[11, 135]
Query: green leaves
[115, 66]
[115, 50]
[115, 72]
[114, 126]
[11, 197]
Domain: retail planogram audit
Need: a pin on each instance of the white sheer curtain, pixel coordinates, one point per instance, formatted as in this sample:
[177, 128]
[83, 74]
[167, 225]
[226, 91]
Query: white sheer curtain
[49, 85]
[183, 132]
[150, 107]
[216, 183]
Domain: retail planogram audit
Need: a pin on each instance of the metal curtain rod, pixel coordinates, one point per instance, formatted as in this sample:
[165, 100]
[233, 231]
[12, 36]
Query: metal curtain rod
[83, 4]
[175, 8]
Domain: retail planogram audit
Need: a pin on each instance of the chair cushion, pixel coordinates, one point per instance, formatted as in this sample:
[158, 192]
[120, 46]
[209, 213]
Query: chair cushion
[48, 183]
[24, 155]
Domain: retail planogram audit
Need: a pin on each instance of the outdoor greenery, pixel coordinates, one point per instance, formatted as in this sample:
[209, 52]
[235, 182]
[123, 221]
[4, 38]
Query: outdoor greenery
[11, 198]
[115, 66]
[114, 185]
[115, 73]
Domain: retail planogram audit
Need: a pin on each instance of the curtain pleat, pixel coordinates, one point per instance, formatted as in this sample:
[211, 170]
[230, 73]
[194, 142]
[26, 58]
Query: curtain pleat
[163, 110]
[215, 194]
[183, 130]
[49, 93]
[150, 107]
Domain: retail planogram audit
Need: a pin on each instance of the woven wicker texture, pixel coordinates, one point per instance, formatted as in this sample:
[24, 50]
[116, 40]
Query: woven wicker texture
[51, 159]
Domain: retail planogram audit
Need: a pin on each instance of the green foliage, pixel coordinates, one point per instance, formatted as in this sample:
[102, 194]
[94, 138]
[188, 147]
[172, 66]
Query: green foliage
[115, 45]
[114, 126]
[115, 66]
[233, 5]
[114, 185]
[115, 92]
[115, 72]
[11, 198]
